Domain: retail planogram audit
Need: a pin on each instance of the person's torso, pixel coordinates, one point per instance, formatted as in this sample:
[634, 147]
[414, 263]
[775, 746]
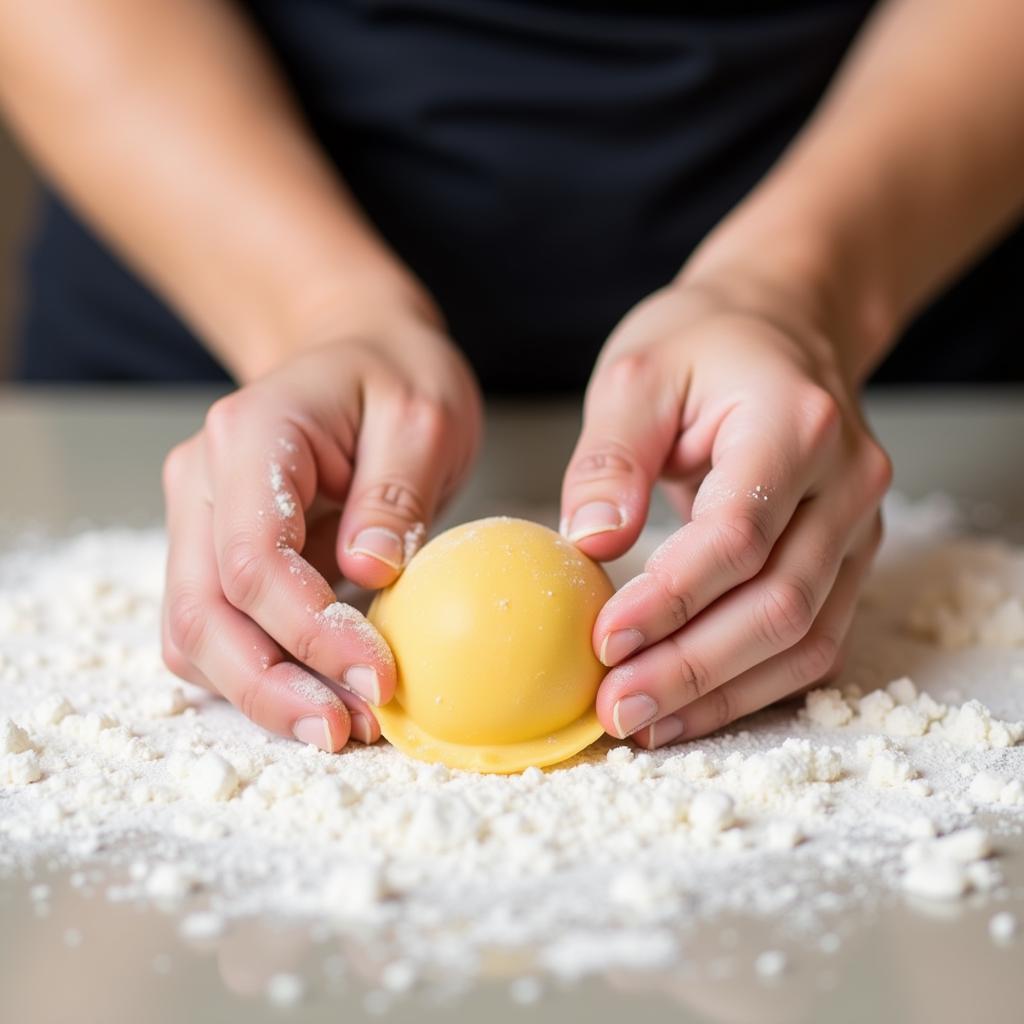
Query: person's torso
[541, 165]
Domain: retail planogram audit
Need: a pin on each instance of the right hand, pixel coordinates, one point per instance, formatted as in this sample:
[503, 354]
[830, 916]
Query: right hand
[331, 465]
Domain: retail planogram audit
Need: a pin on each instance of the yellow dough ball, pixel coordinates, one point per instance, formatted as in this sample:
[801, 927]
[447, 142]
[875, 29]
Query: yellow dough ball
[490, 625]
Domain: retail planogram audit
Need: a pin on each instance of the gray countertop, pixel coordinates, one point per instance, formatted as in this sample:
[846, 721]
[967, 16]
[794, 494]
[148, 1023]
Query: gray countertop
[93, 457]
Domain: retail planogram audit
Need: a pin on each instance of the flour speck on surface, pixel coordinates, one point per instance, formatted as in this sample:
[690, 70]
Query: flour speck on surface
[286, 990]
[900, 781]
[1002, 928]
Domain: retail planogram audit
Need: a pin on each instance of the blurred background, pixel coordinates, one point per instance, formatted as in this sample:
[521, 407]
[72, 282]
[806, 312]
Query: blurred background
[15, 210]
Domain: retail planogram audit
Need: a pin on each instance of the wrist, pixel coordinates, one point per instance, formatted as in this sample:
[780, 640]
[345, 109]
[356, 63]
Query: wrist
[803, 279]
[347, 303]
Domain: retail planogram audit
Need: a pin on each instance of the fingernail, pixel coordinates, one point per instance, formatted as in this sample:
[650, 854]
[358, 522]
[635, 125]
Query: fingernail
[657, 735]
[595, 517]
[362, 679]
[618, 644]
[380, 543]
[360, 728]
[632, 713]
[315, 731]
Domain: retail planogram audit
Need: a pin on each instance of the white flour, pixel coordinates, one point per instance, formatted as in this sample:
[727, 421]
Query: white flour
[799, 814]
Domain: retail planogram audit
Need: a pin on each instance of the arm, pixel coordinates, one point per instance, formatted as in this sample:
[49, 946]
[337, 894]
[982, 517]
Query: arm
[737, 384]
[167, 124]
[910, 168]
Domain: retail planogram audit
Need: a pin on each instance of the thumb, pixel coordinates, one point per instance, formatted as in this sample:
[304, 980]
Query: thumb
[626, 437]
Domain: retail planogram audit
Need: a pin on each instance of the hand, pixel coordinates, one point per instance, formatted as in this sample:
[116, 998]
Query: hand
[331, 465]
[740, 407]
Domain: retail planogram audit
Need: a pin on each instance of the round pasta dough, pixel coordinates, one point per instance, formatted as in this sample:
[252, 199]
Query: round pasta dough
[490, 625]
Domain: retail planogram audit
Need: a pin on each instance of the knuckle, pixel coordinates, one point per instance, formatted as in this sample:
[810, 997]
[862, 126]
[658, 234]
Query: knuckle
[835, 669]
[395, 498]
[678, 603]
[253, 700]
[610, 462]
[820, 416]
[306, 645]
[817, 657]
[222, 417]
[878, 469]
[174, 661]
[243, 574]
[876, 533]
[429, 420]
[785, 613]
[741, 543]
[175, 468]
[692, 679]
[186, 627]
[720, 707]
[623, 374]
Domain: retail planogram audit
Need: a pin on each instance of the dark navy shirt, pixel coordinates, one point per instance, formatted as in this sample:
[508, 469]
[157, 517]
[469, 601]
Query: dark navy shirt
[541, 165]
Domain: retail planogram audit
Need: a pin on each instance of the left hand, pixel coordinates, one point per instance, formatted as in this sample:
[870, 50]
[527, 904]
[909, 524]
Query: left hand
[740, 406]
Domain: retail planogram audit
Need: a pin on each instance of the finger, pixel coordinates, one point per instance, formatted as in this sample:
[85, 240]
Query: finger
[757, 479]
[319, 550]
[809, 662]
[175, 661]
[625, 440]
[181, 467]
[404, 454]
[365, 727]
[751, 624]
[227, 647]
[263, 477]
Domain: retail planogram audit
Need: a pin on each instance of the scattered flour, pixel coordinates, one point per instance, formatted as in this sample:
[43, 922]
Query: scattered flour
[936, 879]
[948, 866]
[899, 710]
[54, 708]
[286, 990]
[771, 963]
[978, 606]
[20, 769]
[871, 790]
[212, 778]
[13, 739]
[989, 788]
[711, 811]
[202, 926]
[1002, 927]
[168, 883]
[162, 703]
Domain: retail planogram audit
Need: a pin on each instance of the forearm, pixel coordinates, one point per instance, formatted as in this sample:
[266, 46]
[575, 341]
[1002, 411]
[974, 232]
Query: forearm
[167, 126]
[910, 167]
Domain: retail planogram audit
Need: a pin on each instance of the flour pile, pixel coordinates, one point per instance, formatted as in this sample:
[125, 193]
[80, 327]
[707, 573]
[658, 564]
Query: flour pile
[901, 779]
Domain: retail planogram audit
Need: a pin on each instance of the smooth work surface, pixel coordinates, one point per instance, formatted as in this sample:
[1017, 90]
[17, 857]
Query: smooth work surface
[71, 460]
